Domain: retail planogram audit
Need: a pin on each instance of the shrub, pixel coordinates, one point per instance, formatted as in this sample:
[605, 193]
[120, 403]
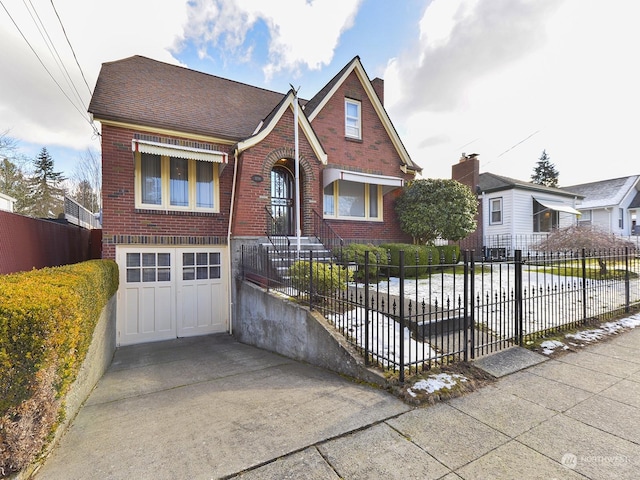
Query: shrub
[419, 258]
[355, 253]
[47, 318]
[324, 278]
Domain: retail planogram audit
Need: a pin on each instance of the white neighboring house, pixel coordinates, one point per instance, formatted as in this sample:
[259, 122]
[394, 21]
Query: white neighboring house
[6, 202]
[612, 205]
[518, 214]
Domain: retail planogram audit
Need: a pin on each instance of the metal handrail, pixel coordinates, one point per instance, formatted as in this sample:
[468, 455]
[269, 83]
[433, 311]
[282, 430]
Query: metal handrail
[325, 234]
[279, 241]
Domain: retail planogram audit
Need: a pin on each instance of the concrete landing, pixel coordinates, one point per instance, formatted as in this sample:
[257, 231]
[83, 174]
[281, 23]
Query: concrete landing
[509, 361]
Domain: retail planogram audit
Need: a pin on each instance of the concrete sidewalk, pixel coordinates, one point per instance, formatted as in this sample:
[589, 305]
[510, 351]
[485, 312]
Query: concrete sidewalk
[210, 407]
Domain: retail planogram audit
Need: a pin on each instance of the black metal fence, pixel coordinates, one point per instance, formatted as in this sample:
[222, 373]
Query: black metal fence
[408, 317]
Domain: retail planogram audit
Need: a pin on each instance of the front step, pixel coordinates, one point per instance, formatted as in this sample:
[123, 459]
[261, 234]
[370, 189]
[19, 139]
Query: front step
[283, 259]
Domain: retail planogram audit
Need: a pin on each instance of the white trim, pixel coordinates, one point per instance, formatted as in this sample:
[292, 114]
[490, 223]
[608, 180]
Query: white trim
[302, 121]
[330, 175]
[178, 151]
[357, 118]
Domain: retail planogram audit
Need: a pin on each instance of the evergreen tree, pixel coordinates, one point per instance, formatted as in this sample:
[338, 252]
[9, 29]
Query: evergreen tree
[47, 196]
[545, 172]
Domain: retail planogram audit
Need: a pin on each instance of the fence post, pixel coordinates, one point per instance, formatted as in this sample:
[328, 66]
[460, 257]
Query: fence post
[310, 280]
[465, 311]
[472, 303]
[584, 284]
[401, 261]
[366, 307]
[627, 299]
[519, 327]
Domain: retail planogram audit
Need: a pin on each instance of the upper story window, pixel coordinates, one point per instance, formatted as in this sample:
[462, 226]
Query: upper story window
[495, 206]
[353, 200]
[544, 219]
[168, 183]
[352, 119]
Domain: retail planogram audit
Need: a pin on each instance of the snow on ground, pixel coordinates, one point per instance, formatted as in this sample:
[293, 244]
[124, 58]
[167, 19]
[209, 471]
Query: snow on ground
[434, 383]
[588, 336]
[384, 337]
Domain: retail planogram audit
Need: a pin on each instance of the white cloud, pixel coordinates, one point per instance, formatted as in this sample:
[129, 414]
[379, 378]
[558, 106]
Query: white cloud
[507, 79]
[32, 106]
[302, 34]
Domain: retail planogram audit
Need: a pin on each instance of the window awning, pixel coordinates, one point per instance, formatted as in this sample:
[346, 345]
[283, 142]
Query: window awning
[330, 175]
[557, 206]
[178, 151]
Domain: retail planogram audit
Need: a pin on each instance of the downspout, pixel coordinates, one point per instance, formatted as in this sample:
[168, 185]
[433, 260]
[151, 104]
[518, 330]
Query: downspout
[229, 260]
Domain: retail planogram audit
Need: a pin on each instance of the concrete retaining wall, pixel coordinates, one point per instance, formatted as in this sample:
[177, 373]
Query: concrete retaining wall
[279, 325]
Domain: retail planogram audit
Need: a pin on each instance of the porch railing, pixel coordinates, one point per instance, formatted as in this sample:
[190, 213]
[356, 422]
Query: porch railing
[275, 232]
[325, 234]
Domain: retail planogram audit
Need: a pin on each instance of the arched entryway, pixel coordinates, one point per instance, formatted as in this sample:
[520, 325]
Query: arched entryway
[283, 198]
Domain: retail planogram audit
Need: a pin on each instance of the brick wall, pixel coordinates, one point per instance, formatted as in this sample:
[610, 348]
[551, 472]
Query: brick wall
[374, 154]
[253, 196]
[467, 172]
[27, 243]
[122, 222]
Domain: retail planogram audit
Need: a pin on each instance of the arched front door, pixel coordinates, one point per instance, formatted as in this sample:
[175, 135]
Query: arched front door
[282, 200]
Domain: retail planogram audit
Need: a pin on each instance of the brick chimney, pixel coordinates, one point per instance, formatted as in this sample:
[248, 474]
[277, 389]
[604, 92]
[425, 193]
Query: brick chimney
[378, 86]
[467, 172]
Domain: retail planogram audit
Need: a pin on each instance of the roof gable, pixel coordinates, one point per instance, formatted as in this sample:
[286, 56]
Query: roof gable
[142, 91]
[606, 193]
[317, 103]
[490, 182]
[288, 102]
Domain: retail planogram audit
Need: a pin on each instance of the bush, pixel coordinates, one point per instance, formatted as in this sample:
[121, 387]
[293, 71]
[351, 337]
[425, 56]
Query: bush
[47, 318]
[419, 258]
[326, 279]
[355, 253]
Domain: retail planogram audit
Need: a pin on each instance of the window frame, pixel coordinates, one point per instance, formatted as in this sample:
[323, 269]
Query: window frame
[537, 223]
[165, 186]
[497, 200]
[621, 218]
[358, 119]
[367, 189]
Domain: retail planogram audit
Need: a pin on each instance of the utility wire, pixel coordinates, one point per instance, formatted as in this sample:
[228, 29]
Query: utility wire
[42, 29]
[47, 70]
[72, 50]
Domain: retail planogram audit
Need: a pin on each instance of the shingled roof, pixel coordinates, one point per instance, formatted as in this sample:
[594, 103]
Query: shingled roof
[490, 182]
[605, 193]
[143, 91]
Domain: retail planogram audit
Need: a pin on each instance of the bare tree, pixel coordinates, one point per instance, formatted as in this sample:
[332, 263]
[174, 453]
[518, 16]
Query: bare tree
[589, 237]
[87, 179]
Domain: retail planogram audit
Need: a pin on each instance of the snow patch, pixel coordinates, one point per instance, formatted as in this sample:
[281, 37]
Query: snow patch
[549, 346]
[433, 383]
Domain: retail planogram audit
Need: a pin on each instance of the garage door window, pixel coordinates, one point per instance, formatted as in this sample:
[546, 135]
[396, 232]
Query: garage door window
[200, 266]
[148, 267]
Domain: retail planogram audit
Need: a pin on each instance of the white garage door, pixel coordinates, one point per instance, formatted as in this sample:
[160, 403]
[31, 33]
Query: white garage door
[170, 292]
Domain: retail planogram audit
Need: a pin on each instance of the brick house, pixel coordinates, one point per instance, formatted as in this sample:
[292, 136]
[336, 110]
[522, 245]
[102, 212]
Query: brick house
[195, 166]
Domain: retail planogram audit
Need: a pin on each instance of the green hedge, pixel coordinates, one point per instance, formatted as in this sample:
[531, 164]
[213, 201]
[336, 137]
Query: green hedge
[47, 319]
[355, 252]
[418, 258]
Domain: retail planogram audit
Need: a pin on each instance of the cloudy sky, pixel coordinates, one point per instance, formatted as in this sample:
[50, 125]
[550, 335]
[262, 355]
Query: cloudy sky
[501, 78]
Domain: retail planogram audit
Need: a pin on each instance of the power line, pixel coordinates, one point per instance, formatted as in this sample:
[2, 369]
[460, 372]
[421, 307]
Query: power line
[82, 114]
[72, 50]
[42, 29]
